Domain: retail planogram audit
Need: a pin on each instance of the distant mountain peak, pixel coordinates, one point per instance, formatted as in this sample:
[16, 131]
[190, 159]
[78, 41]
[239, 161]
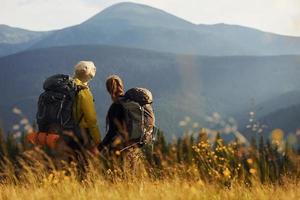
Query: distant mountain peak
[139, 14]
[126, 7]
[123, 5]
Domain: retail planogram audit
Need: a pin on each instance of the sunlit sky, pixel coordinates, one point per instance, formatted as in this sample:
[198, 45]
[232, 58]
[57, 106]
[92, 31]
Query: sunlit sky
[278, 16]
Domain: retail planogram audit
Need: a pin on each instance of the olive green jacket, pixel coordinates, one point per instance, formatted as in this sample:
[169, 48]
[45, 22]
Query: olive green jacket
[85, 112]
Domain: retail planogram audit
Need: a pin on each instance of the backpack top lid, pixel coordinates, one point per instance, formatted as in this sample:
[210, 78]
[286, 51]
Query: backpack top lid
[60, 83]
[140, 95]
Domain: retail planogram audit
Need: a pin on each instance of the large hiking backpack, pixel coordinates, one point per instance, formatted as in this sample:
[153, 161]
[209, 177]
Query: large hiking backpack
[55, 104]
[139, 115]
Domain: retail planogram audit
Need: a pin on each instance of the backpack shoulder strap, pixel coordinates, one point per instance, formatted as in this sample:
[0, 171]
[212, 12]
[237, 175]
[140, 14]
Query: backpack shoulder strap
[81, 87]
[80, 119]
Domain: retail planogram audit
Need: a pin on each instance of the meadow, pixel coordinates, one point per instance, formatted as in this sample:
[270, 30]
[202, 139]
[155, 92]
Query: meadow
[191, 167]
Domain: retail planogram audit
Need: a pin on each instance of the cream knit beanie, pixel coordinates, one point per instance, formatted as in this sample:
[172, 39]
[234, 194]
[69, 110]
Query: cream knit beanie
[87, 67]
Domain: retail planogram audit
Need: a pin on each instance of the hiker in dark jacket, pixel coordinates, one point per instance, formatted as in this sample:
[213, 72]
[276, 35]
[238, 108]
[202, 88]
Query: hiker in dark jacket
[130, 119]
[117, 136]
[115, 123]
[130, 123]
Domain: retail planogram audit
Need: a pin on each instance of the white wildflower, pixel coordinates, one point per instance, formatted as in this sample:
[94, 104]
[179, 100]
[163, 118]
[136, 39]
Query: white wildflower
[182, 123]
[216, 116]
[24, 121]
[187, 119]
[16, 111]
[17, 134]
[195, 125]
[16, 127]
[28, 128]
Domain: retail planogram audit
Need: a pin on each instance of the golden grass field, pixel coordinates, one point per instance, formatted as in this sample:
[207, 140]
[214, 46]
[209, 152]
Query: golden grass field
[174, 188]
[186, 168]
[178, 182]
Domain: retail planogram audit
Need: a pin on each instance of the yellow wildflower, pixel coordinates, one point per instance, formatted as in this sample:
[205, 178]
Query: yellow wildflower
[226, 172]
[118, 153]
[252, 171]
[250, 161]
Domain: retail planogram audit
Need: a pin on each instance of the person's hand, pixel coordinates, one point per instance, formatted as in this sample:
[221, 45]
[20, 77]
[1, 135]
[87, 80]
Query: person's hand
[94, 150]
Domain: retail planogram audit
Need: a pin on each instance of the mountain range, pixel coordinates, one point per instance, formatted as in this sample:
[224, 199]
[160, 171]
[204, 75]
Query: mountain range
[14, 40]
[140, 26]
[183, 85]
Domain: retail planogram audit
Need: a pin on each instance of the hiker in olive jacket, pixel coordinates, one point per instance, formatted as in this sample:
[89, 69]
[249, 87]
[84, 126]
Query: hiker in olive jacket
[84, 108]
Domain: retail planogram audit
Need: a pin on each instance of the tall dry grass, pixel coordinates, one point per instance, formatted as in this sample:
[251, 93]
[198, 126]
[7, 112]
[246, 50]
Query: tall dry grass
[146, 189]
[186, 168]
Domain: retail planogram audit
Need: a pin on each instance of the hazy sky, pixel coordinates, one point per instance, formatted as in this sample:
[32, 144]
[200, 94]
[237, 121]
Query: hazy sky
[279, 16]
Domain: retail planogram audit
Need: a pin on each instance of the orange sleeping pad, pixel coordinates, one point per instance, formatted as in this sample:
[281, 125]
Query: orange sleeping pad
[43, 139]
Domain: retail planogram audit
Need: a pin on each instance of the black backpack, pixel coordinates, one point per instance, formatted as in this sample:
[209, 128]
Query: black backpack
[55, 104]
[139, 115]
